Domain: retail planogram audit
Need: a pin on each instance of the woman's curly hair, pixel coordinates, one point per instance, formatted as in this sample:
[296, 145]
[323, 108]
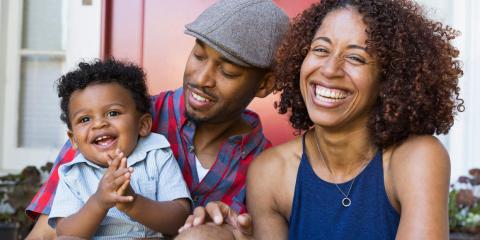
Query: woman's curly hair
[127, 75]
[419, 72]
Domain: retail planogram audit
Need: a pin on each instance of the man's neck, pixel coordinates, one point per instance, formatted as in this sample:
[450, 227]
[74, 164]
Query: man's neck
[209, 137]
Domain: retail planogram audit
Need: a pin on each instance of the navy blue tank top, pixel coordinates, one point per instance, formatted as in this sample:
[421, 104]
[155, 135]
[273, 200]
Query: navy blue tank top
[318, 213]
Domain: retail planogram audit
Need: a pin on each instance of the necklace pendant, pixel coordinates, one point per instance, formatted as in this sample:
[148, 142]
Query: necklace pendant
[346, 201]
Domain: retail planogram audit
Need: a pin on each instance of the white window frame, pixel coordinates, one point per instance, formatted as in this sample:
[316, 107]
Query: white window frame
[461, 140]
[82, 43]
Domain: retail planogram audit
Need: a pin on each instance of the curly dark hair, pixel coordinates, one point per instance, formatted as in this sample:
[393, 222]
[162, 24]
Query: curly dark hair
[128, 75]
[419, 72]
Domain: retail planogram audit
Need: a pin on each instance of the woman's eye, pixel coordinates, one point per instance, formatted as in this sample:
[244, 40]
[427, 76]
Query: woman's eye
[113, 113]
[84, 119]
[320, 50]
[356, 60]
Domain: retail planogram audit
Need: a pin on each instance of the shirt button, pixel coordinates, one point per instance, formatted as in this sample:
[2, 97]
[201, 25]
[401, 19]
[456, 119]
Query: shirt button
[191, 148]
[244, 154]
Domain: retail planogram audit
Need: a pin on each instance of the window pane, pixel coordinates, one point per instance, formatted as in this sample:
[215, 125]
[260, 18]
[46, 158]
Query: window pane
[39, 122]
[42, 25]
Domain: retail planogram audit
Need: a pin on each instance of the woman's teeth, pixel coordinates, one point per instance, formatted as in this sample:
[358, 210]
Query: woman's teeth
[329, 94]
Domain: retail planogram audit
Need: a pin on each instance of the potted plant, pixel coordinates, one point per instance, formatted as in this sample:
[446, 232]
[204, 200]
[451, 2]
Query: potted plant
[16, 192]
[464, 207]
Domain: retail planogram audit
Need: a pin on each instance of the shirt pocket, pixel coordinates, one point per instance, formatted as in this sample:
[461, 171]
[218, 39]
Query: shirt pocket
[148, 189]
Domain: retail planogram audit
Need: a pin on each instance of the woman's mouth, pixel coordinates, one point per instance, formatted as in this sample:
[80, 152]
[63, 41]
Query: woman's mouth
[329, 97]
[329, 94]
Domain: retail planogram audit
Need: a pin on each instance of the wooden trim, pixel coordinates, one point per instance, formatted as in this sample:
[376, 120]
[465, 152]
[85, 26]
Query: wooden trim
[142, 32]
[106, 29]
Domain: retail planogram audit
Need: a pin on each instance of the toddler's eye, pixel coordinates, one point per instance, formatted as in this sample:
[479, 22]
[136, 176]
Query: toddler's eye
[84, 119]
[113, 113]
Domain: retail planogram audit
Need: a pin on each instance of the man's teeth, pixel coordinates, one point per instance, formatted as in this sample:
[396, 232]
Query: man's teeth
[329, 95]
[199, 98]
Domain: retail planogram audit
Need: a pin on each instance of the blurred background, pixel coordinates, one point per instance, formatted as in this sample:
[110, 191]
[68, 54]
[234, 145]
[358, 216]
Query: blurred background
[42, 39]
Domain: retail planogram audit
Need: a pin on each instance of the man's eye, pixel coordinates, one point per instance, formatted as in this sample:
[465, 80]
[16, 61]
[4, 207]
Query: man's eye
[84, 119]
[228, 75]
[198, 57]
[113, 113]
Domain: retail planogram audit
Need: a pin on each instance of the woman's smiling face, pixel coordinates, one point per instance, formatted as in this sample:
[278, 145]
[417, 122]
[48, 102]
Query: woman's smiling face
[338, 77]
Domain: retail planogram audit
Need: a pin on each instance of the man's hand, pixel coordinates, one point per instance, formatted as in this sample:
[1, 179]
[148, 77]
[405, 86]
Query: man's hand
[220, 213]
[115, 178]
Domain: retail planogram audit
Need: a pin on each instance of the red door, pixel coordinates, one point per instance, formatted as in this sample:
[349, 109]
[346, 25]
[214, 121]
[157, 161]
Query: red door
[150, 33]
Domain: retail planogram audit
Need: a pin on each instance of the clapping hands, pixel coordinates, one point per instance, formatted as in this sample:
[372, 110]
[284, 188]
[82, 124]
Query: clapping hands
[114, 187]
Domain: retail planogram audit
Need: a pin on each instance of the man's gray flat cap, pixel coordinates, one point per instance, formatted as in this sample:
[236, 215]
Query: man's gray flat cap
[246, 32]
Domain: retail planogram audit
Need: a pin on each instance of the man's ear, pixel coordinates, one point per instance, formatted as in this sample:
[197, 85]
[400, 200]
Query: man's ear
[145, 124]
[72, 139]
[267, 85]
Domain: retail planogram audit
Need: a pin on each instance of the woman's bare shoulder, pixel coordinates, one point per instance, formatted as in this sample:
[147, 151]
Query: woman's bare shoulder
[425, 148]
[418, 161]
[271, 177]
[281, 155]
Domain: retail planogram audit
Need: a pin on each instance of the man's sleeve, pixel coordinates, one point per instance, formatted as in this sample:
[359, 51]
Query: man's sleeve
[238, 203]
[42, 202]
[236, 196]
[156, 104]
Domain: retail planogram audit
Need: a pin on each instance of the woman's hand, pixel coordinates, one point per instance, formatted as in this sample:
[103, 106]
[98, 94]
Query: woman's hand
[220, 213]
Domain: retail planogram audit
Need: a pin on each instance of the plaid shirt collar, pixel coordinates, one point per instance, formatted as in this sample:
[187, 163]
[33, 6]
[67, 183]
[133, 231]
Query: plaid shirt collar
[247, 142]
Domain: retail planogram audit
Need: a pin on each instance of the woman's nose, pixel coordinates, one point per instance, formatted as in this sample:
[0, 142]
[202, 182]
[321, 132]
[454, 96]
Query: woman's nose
[332, 67]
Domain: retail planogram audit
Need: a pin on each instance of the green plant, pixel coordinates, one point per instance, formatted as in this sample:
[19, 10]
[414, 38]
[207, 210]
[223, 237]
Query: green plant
[464, 204]
[16, 192]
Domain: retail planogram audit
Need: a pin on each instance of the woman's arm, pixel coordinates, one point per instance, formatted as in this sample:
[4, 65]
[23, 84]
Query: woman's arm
[420, 174]
[264, 179]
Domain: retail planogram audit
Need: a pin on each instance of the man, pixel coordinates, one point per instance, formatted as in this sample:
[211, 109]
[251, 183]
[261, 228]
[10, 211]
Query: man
[212, 135]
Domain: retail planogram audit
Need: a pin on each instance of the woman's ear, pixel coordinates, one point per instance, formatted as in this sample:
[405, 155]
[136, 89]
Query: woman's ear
[145, 124]
[267, 85]
[72, 139]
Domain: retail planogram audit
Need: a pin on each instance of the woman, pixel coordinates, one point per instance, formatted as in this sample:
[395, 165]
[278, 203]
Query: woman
[369, 82]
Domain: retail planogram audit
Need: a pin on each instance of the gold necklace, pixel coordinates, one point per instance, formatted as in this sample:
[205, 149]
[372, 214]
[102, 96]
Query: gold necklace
[346, 201]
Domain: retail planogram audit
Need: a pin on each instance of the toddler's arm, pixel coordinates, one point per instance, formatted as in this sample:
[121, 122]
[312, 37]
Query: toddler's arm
[163, 216]
[85, 222]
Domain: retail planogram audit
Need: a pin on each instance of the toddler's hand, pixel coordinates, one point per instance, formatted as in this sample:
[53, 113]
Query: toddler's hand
[125, 190]
[116, 177]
